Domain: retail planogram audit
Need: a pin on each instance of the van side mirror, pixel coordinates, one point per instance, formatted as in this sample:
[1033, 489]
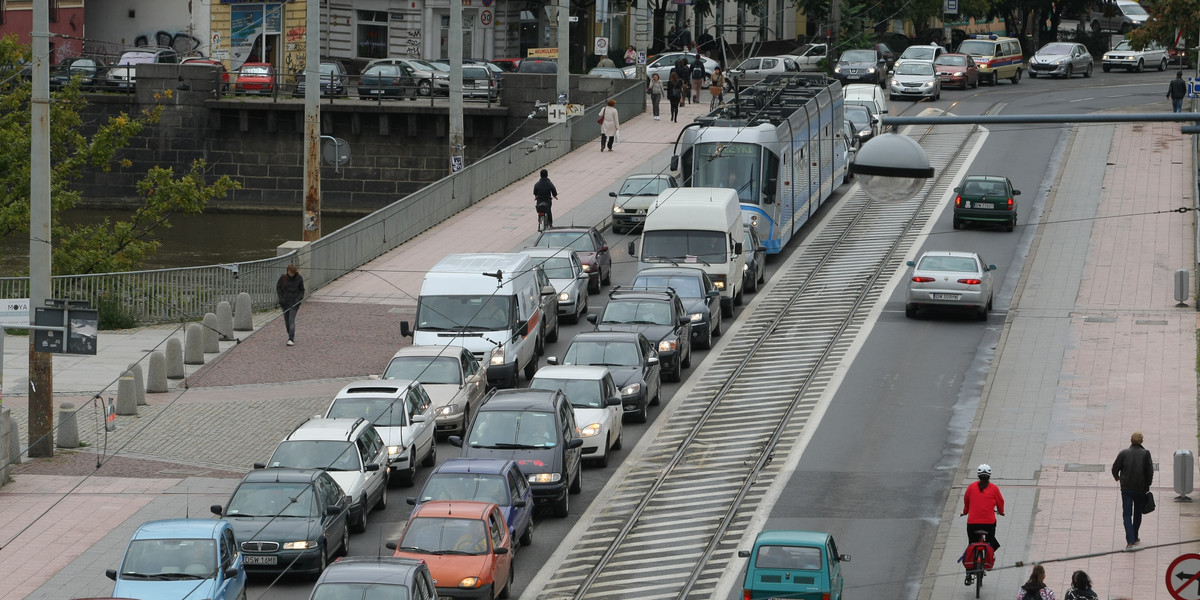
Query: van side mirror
[523, 328]
[743, 554]
[737, 247]
[674, 162]
[632, 249]
[612, 194]
[405, 330]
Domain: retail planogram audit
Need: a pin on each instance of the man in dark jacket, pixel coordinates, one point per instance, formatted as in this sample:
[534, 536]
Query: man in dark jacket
[290, 289]
[1177, 91]
[1135, 470]
[544, 195]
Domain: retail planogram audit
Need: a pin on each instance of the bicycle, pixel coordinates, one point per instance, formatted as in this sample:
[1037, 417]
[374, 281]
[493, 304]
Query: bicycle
[978, 559]
[542, 209]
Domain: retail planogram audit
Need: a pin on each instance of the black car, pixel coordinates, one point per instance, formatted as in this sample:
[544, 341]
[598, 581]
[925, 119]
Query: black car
[375, 577]
[701, 300]
[589, 246]
[333, 80]
[887, 54]
[292, 521]
[660, 316]
[756, 260]
[88, 70]
[535, 429]
[861, 66]
[865, 123]
[387, 81]
[631, 360]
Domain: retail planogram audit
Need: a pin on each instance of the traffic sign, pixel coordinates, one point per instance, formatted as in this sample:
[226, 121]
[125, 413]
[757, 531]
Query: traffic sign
[556, 113]
[1192, 87]
[1183, 577]
[542, 53]
[485, 17]
[641, 57]
[601, 46]
[575, 110]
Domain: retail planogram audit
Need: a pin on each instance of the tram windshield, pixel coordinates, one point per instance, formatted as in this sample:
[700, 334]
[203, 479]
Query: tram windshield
[729, 165]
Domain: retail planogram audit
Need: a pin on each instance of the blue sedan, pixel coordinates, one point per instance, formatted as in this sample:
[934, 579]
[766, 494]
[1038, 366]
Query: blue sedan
[181, 558]
[485, 480]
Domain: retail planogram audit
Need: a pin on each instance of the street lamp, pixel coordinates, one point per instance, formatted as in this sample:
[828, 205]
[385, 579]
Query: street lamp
[891, 167]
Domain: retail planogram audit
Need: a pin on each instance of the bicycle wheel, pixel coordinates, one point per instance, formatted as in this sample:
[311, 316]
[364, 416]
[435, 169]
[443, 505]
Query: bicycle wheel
[979, 574]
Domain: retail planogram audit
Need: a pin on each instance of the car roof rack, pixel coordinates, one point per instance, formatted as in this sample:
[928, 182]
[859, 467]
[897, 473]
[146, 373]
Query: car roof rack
[617, 290]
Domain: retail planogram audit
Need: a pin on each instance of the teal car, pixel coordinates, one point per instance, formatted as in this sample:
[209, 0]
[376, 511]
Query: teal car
[793, 564]
[986, 199]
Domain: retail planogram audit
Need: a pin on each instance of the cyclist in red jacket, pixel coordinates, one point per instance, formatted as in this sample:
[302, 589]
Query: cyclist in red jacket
[981, 503]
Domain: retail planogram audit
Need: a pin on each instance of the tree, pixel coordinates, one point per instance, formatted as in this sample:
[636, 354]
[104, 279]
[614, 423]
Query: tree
[110, 246]
[1167, 18]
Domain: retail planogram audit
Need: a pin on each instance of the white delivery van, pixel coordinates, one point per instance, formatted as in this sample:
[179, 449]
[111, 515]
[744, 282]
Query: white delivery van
[697, 227]
[489, 304]
[869, 95]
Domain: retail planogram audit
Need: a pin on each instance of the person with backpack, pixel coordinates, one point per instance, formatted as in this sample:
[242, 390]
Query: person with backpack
[981, 502]
[544, 195]
[684, 71]
[698, 75]
[1081, 587]
[1035, 588]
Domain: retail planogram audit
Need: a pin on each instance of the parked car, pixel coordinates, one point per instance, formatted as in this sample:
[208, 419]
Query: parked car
[387, 81]
[663, 63]
[499, 481]
[211, 63]
[255, 78]
[861, 66]
[548, 296]
[793, 564]
[607, 72]
[660, 316]
[1124, 56]
[915, 79]
[568, 277]
[350, 450]
[756, 254]
[589, 246]
[953, 280]
[123, 75]
[596, 403]
[478, 82]
[401, 413]
[866, 125]
[1117, 15]
[537, 65]
[375, 577]
[701, 300]
[181, 558]
[1061, 59]
[754, 70]
[633, 200]
[333, 80]
[809, 56]
[430, 76]
[509, 65]
[957, 70]
[466, 545]
[537, 430]
[452, 378]
[986, 199]
[292, 521]
[629, 357]
[88, 70]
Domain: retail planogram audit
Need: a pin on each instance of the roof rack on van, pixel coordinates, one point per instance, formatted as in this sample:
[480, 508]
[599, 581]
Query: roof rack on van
[623, 289]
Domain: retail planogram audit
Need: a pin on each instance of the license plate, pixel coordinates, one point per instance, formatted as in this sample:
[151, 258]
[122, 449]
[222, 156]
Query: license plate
[912, 90]
[260, 560]
[854, 76]
[984, 205]
[946, 296]
[637, 219]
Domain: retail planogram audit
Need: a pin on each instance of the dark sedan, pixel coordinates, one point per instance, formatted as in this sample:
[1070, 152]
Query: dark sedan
[588, 245]
[660, 316]
[387, 81]
[630, 358]
[701, 300]
[88, 70]
[861, 66]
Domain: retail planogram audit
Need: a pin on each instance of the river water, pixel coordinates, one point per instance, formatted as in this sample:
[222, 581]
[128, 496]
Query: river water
[194, 240]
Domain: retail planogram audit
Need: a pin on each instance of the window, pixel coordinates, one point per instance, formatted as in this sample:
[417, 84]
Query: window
[372, 34]
[3, 11]
[53, 11]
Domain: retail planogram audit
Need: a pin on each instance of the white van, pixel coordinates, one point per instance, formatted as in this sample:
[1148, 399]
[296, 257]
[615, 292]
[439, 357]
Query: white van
[489, 304]
[697, 227]
[869, 95]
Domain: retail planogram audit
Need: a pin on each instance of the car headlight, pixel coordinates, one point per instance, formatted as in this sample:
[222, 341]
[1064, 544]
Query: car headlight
[469, 583]
[564, 297]
[631, 389]
[667, 345]
[587, 268]
[393, 450]
[720, 285]
[927, 84]
[696, 317]
[303, 545]
[870, 69]
[449, 409]
[958, 73]
[545, 478]
[497, 359]
[837, 69]
[617, 208]
[590, 431]
[745, 267]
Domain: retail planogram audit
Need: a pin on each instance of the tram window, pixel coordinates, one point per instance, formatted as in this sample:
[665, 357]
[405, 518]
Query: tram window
[770, 178]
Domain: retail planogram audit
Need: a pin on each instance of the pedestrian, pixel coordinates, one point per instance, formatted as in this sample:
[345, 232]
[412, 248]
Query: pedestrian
[1081, 587]
[1035, 588]
[610, 125]
[630, 56]
[544, 195]
[685, 75]
[656, 93]
[674, 95]
[606, 63]
[290, 289]
[698, 73]
[716, 87]
[1135, 470]
[1177, 91]
[981, 503]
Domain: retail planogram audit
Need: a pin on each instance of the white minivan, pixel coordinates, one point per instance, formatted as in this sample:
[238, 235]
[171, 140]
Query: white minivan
[697, 227]
[869, 95]
[489, 304]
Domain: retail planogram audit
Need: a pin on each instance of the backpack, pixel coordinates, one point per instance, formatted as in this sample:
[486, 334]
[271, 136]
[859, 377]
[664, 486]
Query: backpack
[697, 72]
[968, 557]
[673, 91]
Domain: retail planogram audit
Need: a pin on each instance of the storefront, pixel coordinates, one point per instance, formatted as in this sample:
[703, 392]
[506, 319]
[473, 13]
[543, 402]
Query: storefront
[258, 31]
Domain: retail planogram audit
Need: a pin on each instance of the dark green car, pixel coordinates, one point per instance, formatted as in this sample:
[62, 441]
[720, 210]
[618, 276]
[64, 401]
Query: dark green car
[986, 199]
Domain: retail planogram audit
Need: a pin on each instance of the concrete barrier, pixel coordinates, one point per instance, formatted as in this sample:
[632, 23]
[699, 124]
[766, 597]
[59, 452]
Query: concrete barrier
[243, 317]
[193, 345]
[139, 383]
[225, 321]
[68, 427]
[5, 435]
[156, 374]
[175, 368]
[126, 398]
[211, 344]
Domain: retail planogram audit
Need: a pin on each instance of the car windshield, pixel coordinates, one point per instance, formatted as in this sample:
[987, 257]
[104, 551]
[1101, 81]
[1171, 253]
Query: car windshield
[466, 313]
[915, 68]
[331, 455]
[272, 499]
[360, 591]
[1123, 45]
[170, 559]
[919, 53]
[583, 393]
[800, 558]
[859, 116]
[975, 47]
[685, 286]
[686, 246]
[1056, 49]
[644, 186]
[380, 411]
[427, 370]
[608, 354]
[560, 267]
[466, 486]
[436, 66]
[952, 60]
[328, 68]
[578, 241]
[136, 58]
[984, 188]
[637, 312]
[1133, 9]
[502, 428]
[954, 264]
[858, 56]
[256, 70]
[436, 535]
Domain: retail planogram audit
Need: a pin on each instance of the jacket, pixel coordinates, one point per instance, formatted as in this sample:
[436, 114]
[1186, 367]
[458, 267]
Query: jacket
[656, 88]
[612, 121]
[718, 80]
[607, 63]
[697, 68]
[1031, 591]
[1177, 89]
[290, 290]
[1134, 468]
[981, 506]
[675, 89]
[544, 190]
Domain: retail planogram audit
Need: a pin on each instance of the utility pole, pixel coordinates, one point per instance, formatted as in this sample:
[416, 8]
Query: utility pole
[643, 28]
[456, 86]
[563, 80]
[41, 364]
[312, 122]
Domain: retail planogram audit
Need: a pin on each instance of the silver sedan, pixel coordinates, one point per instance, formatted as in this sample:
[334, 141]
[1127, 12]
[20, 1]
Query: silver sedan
[941, 279]
[915, 79]
[1061, 59]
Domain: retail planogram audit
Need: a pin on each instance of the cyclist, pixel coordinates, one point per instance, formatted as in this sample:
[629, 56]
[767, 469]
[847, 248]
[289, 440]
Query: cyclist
[544, 194]
[981, 502]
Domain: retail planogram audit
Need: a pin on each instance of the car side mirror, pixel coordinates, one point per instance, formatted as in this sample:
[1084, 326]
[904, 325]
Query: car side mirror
[582, 275]
[910, 263]
[743, 554]
[552, 360]
[603, 249]
[411, 501]
[653, 360]
[455, 441]
[420, 418]
[371, 467]
[1016, 192]
[519, 503]
[592, 318]
[215, 509]
[737, 247]
[333, 509]
[632, 248]
[500, 551]
[844, 557]
[548, 290]
[614, 401]
[259, 466]
[574, 443]
[111, 574]
[231, 573]
[390, 545]
[684, 320]
[612, 194]
[713, 293]
[405, 330]
[991, 267]
[675, 162]
[958, 189]
[523, 328]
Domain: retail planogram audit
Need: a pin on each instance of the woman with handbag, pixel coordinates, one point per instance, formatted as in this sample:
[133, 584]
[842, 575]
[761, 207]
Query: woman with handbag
[716, 88]
[656, 93]
[610, 125]
[674, 95]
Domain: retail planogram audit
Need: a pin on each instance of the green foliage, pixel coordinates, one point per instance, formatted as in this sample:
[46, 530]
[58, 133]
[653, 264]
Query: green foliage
[1166, 17]
[112, 315]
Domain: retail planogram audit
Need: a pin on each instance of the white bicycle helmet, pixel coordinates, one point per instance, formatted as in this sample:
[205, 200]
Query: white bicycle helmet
[985, 470]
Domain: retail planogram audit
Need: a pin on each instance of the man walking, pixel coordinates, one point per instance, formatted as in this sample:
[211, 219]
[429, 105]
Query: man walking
[698, 74]
[544, 194]
[290, 289]
[1177, 91]
[1135, 470]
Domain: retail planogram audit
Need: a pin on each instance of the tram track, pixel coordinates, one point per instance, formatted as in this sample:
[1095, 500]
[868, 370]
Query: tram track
[672, 523]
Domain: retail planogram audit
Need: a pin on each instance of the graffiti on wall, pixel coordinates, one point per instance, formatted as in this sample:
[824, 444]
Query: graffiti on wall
[182, 42]
[414, 43]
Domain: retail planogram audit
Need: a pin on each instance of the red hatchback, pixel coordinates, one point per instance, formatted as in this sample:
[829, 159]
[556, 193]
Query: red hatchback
[255, 78]
[958, 70]
[466, 545]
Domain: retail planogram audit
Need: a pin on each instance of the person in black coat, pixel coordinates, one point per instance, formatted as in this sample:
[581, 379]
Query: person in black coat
[1135, 470]
[290, 289]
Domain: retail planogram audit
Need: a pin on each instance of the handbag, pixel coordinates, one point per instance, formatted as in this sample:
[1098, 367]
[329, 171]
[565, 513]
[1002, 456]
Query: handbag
[1148, 507]
[601, 119]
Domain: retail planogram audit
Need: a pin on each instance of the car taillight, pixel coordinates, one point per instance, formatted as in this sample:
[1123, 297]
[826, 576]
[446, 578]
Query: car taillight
[825, 596]
[958, 201]
[745, 594]
[920, 279]
[1010, 204]
[971, 281]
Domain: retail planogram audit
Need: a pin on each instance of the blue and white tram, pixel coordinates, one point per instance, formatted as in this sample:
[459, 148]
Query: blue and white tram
[779, 144]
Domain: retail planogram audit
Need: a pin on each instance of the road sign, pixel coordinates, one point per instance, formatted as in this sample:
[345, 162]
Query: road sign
[950, 7]
[641, 58]
[1183, 577]
[1192, 84]
[601, 46]
[556, 113]
[542, 53]
[485, 17]
[575, 110]
[572, 19]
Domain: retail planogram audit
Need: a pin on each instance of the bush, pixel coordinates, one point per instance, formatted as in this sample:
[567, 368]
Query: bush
[112, 315]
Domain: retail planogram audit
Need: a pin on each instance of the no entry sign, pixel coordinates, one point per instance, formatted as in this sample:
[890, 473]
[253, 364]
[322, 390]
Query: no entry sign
[1183, 577]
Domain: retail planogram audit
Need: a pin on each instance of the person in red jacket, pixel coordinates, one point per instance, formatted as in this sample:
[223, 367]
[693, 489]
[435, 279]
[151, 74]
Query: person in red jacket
[981, 503]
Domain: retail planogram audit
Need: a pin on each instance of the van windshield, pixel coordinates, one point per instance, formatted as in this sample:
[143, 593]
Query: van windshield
[683, 246]
[977, 47]
[464, 313]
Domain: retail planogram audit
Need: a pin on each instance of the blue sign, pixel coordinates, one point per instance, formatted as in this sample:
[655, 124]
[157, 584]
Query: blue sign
[1192, 91]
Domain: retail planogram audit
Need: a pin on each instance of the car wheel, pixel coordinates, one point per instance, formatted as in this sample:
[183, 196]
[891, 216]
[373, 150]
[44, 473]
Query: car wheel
[602, 461]
[989, 302]
[527, 536]
[718, 323]
[1141, 66]
[617, 230]
[552, 336]
[423, 87]
[617, 444]
[409, 475]
[577, 485]
[361, 525]
[1088, 72]
[957, 223]
[539, 344]
[738, 298]
[507, 584]
[641, 415]
[562, 508]
[594, 289]
[1096, 25]
[892, 97]
[1011, 224]
[1069, 73]
[982, 313]
[1124, 29]
[431, 458]
[531, 368]
[1162, 66]
[676, 374]
[975, 84]
[910, 311]
[655, 399]
[1033, 74]
[1106, 68]
[995, 79]
[606, 278]
[382, 504]
[1016, 78]
[726, 309]
[706, 342]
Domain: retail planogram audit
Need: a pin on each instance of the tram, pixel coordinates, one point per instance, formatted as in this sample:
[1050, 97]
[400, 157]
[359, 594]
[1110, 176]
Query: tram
[778, 143]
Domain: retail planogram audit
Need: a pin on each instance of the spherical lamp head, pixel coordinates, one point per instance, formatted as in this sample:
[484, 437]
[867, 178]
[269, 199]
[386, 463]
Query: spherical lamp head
[891, 167]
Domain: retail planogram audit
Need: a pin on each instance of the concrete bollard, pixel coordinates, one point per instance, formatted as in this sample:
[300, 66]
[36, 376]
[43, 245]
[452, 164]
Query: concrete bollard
[193, 346]
[126, 398]
[225, 321]
[211, 344]
[14, 439]
[175, 368]
[156, 375]
[68, 427]
[243, 317]
[139, 383]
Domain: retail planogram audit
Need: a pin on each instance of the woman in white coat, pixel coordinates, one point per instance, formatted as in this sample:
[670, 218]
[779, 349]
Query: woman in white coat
[610, 124]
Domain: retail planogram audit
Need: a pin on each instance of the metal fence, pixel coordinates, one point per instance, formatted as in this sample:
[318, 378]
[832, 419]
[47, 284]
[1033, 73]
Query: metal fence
[174, 295]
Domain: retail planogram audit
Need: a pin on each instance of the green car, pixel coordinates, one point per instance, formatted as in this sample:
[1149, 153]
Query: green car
[793, 564]
[986, 199]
